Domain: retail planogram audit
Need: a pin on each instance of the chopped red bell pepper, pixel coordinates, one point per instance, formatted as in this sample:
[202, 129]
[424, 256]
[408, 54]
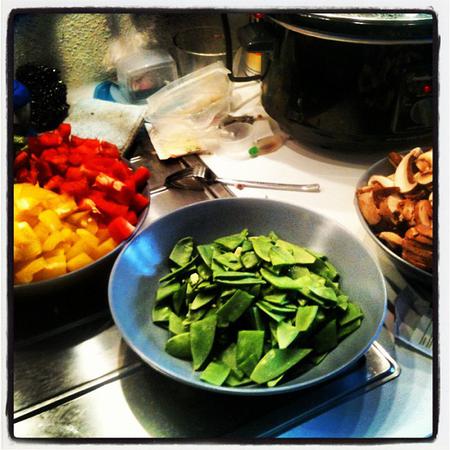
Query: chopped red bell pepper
[109, 150]
[23, 175]
[74, 173]
[140, 202]
[54, 183]
[44, 171]
[120, 170]
[107, 207]
[64, 129]
[21, 160]
[132, 217]
[141, 175]
[49, 139]
[77, 188]
[120, 229]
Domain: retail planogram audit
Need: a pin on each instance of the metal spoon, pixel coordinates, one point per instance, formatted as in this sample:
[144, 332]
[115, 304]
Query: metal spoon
[193, 177]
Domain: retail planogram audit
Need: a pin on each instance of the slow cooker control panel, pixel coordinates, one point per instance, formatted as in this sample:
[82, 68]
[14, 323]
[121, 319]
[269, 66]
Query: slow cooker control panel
[414, 109]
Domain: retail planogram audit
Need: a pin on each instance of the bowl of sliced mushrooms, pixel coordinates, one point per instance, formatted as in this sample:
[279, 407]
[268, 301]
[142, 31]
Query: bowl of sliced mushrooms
[394, 200]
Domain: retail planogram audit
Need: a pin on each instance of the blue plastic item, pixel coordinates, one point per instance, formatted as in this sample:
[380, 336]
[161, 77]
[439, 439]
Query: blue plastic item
[21, 95]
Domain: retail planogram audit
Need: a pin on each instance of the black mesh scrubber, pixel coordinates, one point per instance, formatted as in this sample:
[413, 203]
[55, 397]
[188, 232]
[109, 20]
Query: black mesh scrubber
[48, 106]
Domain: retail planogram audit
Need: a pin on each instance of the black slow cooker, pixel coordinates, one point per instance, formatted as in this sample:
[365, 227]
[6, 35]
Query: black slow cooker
[352, 81]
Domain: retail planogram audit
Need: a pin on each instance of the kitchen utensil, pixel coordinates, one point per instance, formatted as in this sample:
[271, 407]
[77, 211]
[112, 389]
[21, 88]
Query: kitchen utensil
[195, 177]
[198, 47]
[136, 273]
[384, 167]
[381, 97]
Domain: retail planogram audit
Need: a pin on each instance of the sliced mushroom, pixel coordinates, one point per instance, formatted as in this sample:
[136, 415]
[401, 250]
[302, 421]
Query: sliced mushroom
[406, 208]
[417, 260]
[423, 213]
[394, 240]
[424, 162]
[389, 208]
[395, 158]
[368, 208]
[380, 193]
[404, 177]
[381, 180]
[363, 189]
[425, 230]
[423, 177]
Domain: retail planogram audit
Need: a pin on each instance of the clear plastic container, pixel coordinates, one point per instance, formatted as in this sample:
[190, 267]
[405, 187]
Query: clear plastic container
[143, 73]
[197, 100]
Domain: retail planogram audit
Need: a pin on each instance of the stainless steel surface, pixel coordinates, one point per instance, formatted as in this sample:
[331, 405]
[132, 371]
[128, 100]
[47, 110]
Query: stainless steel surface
[196, 177]
[144, 403]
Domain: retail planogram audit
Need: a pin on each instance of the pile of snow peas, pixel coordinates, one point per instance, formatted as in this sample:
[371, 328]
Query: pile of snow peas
[252, 310]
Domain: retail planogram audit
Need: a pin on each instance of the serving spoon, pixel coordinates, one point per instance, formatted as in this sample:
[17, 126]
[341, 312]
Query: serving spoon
[194, 177]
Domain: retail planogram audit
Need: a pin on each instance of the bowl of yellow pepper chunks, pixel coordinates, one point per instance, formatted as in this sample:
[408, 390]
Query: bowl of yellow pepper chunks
[75, 203]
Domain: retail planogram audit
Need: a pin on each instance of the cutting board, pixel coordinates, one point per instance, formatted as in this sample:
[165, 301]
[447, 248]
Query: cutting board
[113, 122]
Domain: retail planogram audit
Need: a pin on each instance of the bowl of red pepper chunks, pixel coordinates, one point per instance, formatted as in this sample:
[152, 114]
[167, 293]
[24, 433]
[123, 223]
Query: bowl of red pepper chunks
[76, 202]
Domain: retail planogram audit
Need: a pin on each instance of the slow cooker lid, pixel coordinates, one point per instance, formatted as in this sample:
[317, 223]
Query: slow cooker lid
[363, 27]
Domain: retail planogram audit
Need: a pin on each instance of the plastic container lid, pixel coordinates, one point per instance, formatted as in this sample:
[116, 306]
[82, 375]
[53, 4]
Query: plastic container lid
[143, 60]
[198, 97]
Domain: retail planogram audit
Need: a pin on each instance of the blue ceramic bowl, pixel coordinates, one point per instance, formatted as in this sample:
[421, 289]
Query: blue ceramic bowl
[135, 275]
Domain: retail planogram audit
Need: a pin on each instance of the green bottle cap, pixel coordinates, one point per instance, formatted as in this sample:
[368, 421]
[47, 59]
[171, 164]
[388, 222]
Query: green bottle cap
[253, 151]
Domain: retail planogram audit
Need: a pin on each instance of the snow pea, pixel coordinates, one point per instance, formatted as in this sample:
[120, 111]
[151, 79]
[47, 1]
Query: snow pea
[285, 282]
[237, 278]
[299, 254]
[280, 257]
[305, 317]
[167, 291]
[215, 373]
[326, 339]
[352, 313]
[176, 325]
[202, 299]
[229, 260]
[234, 307]
[262, 246]
[286, 334]
[232, 241]
[250, 346]
[182, 251]
[179, 271]
[249, 259]
[228, 357]
[276, 362]
[161, 314]
[206, 253]
[179, 346]
[202, 339]
[349, 328]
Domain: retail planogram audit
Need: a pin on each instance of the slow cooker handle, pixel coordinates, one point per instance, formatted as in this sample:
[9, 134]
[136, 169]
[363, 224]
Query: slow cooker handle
[254, 37]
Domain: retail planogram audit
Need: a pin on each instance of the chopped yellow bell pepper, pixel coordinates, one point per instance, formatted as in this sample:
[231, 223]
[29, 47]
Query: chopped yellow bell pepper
[79, 261]
[51, 237]
[25, 275]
